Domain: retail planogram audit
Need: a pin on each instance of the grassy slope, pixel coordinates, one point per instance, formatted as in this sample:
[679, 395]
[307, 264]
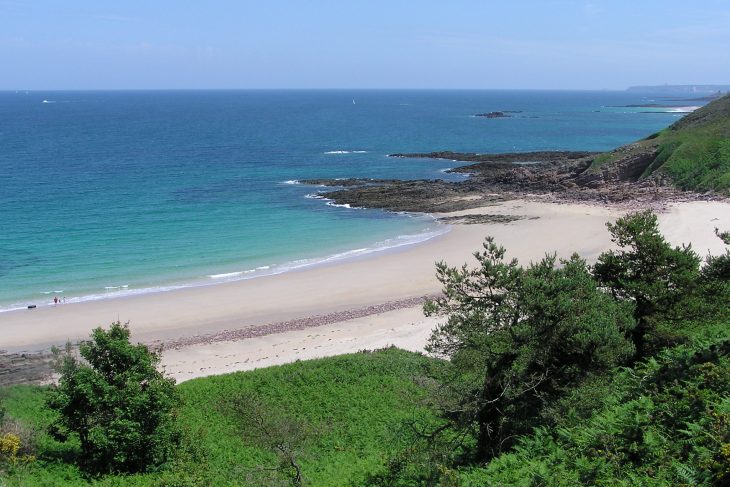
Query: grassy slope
[666, 422]
[693, 152]
[355, 403]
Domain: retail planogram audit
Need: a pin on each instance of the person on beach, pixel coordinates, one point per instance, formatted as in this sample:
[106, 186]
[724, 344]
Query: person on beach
[55, 299]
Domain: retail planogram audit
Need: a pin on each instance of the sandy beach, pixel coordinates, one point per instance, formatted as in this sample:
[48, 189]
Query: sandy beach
[205, 328]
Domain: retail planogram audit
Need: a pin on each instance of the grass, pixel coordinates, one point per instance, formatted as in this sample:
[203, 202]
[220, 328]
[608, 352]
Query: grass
[693, 152]
[353, 406]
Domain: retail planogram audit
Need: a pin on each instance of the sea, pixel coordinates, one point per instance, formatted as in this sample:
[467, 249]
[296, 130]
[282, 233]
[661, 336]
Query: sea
[111, 193]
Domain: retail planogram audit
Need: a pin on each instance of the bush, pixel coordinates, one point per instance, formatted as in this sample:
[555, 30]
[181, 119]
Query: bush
[118, 405]
[17, 442]
[519, 339]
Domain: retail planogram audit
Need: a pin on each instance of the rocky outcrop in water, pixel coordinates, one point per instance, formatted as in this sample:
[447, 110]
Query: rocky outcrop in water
[492, 115]
[561, 175]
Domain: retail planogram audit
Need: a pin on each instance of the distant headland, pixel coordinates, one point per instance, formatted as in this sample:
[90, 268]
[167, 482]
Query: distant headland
[682, 89]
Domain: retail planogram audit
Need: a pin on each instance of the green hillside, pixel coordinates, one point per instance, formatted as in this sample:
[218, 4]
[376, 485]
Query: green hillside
[693, 153]
[340, 416]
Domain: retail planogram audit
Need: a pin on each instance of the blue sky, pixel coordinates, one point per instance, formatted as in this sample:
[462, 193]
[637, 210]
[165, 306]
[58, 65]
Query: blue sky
[560, 44]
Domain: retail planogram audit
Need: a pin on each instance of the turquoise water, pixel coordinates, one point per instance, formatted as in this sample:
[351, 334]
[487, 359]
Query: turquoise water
[108, 193]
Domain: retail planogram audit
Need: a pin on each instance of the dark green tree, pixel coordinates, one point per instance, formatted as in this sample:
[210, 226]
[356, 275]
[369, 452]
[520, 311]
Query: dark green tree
[717, 267]
[660, 280]
[715, 282]
[117, 403]
[519, 339]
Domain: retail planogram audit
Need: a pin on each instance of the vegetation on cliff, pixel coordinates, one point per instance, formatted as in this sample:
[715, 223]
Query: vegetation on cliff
[693, 153]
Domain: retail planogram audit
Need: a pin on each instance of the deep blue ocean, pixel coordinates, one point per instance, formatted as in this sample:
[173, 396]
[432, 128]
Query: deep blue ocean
[108, 193]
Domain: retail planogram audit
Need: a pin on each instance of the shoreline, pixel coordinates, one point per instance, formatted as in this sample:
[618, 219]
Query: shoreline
[293, 265]
[408, 328]
[352, 296]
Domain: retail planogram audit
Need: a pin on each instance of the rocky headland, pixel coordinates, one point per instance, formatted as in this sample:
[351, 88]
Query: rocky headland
[498, 177]
[681, 163]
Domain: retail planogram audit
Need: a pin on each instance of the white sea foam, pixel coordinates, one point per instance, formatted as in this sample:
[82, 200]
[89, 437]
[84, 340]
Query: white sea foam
[111, 288]
[682, 109]
[226, 275]
[343, 205]
[292, 181]
[346, 152]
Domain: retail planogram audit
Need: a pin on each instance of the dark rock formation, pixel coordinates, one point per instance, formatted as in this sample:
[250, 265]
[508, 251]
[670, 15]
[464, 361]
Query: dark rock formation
[480, 218]
[346, 183]
[493, 178]
[492, 115]
[26, 368]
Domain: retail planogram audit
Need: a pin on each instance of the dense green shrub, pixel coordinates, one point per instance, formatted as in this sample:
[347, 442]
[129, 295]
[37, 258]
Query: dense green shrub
[668, 424]
[519, 339]
[118, 405]
[660, 281]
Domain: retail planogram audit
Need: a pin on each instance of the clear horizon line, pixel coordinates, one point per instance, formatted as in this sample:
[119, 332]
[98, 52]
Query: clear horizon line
[364, 88]
[319, 89]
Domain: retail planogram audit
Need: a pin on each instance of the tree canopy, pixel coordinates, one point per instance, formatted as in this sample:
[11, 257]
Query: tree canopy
[116, 402]
[519, 338]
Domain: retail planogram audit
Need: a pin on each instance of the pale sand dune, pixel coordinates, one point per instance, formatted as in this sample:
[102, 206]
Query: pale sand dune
[392, 275]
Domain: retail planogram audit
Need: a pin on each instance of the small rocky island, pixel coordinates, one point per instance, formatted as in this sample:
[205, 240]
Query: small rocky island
[492, 115]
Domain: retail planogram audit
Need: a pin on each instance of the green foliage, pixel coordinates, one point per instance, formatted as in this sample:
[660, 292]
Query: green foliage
[715, 278]
[534, 391]
[668, 423]
[278, 433]
[117, 404]
[519, 339]
[701, 165]
[694, 152]
[660, 280]
[17, 444]
[662, 423]
[724, 236]
[346, 411]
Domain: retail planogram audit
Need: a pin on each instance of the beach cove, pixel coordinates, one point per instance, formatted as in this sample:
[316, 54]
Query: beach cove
[365, 303]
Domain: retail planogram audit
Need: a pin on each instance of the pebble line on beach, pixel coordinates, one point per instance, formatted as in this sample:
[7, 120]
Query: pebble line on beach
[296, 324]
